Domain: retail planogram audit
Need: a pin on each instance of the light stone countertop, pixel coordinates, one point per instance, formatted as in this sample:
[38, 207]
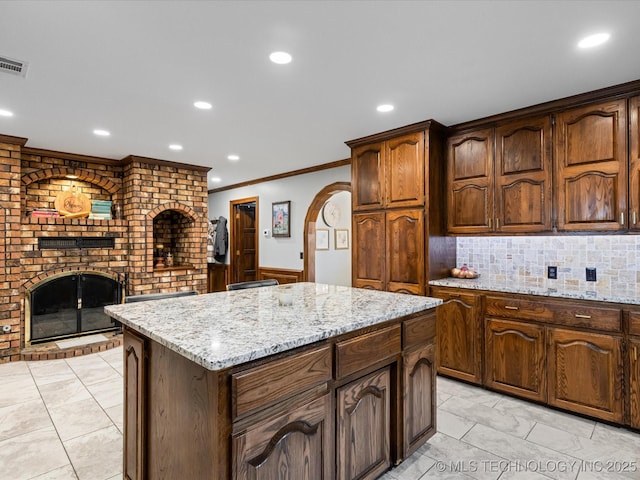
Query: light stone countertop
[219, 330]
[599, 291]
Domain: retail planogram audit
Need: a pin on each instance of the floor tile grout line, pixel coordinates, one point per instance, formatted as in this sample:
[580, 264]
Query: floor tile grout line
[53, 424]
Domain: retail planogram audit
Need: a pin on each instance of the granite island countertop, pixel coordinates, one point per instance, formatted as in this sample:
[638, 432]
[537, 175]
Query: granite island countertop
[598, 291]
[223, 329]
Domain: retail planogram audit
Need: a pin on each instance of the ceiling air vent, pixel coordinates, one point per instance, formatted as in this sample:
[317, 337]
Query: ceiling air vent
[14, 67]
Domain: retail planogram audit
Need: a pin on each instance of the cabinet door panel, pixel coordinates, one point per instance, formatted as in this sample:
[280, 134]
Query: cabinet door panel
[523, 176]
[405, 251]
[367, 176]
[363, 422]
[459, 336]
[585, 373]
[369, 250]
[515, 358]
[419, 379]
[470, 182]
[591, 153]
[634, 163]
[634, 383]
[135, 406]
[297, 443]
[404, 171]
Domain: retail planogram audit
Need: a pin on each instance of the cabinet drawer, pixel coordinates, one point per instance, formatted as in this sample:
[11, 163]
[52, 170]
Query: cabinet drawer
[586, 316]
[360, 352]
[569, 314]
[269, 383]
[634, 323]
[518, 308]
[420, 330]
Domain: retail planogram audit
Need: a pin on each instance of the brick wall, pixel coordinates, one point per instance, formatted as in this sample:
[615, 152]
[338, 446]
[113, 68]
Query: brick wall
[10, 298]
[153, 193]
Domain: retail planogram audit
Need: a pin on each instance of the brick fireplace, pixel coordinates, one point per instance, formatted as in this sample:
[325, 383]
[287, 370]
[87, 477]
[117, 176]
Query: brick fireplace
[160, 202]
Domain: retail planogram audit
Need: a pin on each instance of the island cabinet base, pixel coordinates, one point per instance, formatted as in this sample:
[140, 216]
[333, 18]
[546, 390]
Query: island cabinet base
[349, 407]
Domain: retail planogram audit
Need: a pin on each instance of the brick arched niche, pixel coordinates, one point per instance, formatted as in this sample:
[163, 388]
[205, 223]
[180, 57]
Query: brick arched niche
[177, 229]
[310, 225]
[49, 182]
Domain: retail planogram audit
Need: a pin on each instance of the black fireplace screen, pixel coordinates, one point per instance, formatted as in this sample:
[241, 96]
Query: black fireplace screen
[71, 305]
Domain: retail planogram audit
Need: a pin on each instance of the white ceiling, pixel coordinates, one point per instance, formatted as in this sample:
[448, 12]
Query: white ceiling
[135, 68]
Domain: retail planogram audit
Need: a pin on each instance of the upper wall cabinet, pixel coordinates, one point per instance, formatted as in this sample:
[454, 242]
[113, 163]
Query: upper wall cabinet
[523, 176]
[470, 180]
[367, 176]
[634, 163]
[591, 167]
[506, 192]
[404, 168]
[389, 174]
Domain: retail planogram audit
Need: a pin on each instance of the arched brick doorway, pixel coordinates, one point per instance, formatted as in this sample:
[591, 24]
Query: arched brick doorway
[310, 225]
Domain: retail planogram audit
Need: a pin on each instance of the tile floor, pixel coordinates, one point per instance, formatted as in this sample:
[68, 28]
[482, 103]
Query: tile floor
[62, 420]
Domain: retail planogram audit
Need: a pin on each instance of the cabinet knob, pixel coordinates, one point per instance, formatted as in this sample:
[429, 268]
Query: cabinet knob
[579, 315]
[511, 307]
[621, 218]
[634, 217]
[635, 353]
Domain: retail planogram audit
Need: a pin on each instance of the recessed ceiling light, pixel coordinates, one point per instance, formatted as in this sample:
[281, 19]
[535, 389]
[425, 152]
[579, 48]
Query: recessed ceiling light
[281, 58]
[202, 105]
[175, 146]
[101, 133]
[233, 157]
[385, 108]
[6, 113]
[215, 179]
[593, 40]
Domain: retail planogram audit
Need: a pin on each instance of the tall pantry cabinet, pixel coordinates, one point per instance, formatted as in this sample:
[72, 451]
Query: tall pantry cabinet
[397, 180]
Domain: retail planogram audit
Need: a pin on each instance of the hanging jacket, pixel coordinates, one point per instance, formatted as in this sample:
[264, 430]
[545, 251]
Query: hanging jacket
[221, 243]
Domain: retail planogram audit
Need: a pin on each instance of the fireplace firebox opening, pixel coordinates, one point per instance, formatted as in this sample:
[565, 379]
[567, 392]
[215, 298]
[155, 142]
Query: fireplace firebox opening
[71, 305]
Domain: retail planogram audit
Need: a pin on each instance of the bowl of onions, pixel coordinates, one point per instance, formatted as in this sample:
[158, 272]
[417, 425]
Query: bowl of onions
[464, 272]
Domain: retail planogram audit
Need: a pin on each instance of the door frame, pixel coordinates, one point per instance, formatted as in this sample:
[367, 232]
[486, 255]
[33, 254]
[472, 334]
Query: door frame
[309, 241]
[231, 224]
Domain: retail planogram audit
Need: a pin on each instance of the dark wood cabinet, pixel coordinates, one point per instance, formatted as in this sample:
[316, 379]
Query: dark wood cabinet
[500, 179]
[135, 407]
[523, 176]
[634, 382]
[296, 441]
[398, 221]
[405, 251]
[419, 379]
[363, 427]
[388, 251]
[585, 373]
[367, 177]
[459, 335]
[634, 163]
[217, 278]
[591, 167]
[470, 181]
[515, 358]
[369, 256]
[405, 171]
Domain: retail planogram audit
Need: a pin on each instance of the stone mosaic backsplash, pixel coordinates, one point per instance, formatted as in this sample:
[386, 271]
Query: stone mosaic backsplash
[615, 257]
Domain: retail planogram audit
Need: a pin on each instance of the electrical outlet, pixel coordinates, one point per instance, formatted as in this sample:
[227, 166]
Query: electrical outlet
[552, 272]
[591, 274]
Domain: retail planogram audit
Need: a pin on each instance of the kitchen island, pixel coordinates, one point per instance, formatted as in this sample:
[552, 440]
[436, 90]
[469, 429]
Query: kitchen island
[336, 382]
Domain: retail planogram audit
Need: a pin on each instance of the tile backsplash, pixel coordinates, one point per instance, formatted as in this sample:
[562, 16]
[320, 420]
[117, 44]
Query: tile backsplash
[616, 257]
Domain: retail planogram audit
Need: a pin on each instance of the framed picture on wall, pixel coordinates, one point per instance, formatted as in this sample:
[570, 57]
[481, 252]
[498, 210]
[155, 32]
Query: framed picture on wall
[342, 238]
[280, 219]
[322, 239]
